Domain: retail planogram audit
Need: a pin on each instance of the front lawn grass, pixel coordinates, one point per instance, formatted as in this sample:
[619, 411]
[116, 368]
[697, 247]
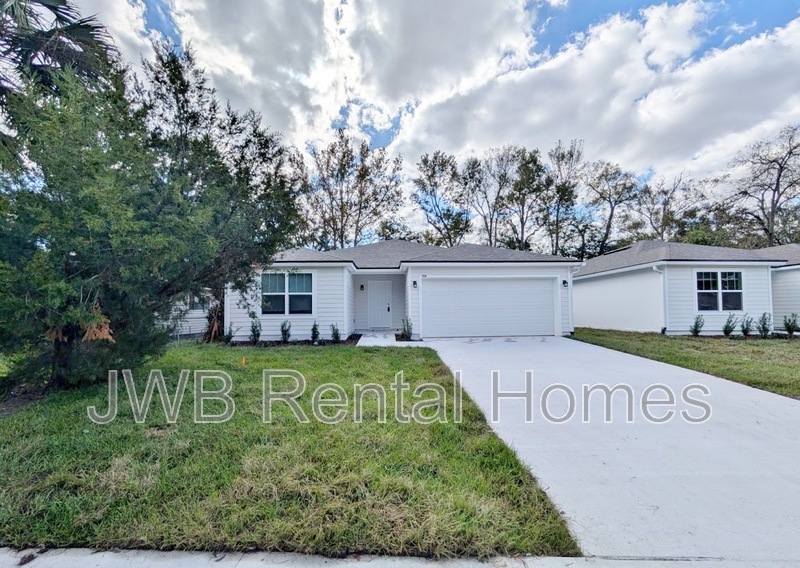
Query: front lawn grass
[768, 364]
[439, 490]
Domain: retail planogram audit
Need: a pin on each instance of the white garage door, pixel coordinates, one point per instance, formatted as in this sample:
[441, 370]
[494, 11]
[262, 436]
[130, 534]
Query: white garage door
[487, 307]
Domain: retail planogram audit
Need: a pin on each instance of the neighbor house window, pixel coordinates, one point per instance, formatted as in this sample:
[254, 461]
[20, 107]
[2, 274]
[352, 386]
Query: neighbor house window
[719, 291]
[194, 302]
[286, 293]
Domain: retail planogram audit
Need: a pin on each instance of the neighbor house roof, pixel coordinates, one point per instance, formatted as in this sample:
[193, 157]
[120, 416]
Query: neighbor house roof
[391, 254]
[646, 252]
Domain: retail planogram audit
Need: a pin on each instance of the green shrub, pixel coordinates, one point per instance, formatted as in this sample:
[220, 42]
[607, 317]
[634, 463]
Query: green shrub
[336, 337]
[746, 325]
[729, 325]
[791, 325]
[315, 332]
[764, 325]
[227, 337]
[697, 325]
[407, 331]
[286, 331]
[255, 328]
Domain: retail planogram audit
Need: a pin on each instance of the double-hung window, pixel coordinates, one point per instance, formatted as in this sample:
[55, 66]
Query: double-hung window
[300, 298]
[287, 293]
[719, 291]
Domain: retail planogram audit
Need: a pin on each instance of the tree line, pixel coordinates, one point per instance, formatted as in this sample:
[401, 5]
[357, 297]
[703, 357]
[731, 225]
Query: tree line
[121, 195]
[556, 203]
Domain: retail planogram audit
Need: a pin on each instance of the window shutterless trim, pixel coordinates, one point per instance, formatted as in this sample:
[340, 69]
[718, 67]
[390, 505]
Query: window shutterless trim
[718, 291]
[287, 295]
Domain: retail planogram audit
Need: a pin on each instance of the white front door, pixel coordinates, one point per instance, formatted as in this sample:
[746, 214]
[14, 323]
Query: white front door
[379, 303]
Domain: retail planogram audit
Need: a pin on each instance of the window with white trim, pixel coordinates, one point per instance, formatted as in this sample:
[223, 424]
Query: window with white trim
[287, 293]
[719, 291]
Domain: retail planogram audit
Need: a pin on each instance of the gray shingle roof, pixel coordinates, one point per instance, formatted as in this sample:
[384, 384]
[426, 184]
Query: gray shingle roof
[301, 254]
[789, 252]
[645, 252]
[480, 253]
[390, 254]
[385, 254]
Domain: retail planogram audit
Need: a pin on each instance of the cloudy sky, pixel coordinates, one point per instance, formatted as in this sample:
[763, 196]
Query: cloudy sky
[664, 88]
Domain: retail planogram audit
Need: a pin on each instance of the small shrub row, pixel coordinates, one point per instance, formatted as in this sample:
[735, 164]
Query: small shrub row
[763, 326]
[286, 332]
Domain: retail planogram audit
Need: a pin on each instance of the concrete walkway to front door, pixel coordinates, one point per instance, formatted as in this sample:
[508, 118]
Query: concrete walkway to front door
[385, 339]
[377, 339]
[728, 488]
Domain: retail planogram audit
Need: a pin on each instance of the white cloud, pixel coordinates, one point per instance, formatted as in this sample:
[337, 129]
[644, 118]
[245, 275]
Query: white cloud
[670, 33]
[738, 28]
[683, 114]
[463, 75]
[125, 21]
[429, 50]
[279, 58]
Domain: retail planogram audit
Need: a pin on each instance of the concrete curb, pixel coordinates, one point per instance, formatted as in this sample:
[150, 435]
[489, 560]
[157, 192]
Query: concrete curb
[88, 558]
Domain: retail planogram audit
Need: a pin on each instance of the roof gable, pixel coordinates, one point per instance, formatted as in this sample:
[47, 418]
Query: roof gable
[384, 254]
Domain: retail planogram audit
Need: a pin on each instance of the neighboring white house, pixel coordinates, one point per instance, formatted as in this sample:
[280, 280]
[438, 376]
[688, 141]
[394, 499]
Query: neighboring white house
[464, 291]
[656, 286]
[190, 316]
[785, 282]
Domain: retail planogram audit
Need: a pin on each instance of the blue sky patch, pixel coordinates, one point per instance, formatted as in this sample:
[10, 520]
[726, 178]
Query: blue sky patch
[731, 21]
[158, 16]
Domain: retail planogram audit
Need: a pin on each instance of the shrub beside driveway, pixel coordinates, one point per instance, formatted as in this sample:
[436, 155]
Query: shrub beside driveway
[772, 365]
[439, 490]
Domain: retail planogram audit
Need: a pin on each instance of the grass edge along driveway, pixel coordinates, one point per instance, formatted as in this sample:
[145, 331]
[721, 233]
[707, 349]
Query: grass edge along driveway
[767, 364]
[436, 490]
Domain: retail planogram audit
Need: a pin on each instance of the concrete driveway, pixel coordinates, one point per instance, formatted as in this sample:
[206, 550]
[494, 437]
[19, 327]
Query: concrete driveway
[727, 488]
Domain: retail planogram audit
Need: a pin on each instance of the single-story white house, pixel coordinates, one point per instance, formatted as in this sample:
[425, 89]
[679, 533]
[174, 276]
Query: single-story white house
[785, 282]
[464, 291]
[656, 286]
[190, 316]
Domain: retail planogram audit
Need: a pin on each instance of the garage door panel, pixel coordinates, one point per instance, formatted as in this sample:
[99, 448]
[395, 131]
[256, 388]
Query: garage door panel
[487, 307]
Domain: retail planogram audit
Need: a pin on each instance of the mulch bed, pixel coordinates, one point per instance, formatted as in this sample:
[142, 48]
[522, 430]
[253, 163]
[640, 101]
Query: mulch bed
[351, 340]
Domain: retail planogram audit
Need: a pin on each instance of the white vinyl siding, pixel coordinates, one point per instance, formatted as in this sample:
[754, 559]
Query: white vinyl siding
[785, 294]
[412, 300]
[350, 303]
[194, 322]
[628, 301]
[682, 296]
[328, 299]
[553, 274]
[398, 298]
